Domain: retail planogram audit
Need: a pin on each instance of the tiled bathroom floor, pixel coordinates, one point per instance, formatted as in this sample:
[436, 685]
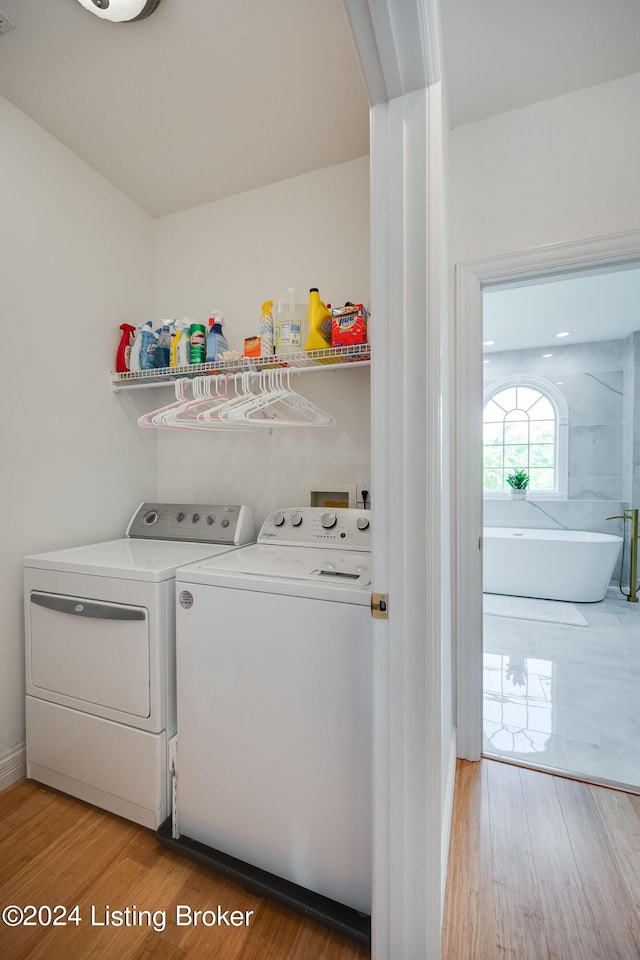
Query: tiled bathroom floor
[566, 697]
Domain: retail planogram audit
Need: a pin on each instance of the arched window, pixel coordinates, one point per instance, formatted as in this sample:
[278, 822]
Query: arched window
[525, 428]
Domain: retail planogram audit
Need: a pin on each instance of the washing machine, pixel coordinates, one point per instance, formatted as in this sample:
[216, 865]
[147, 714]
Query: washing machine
[100, 655]
[274, 738]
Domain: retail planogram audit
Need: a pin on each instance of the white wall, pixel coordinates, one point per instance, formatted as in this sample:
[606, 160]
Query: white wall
[564, 169]
[231, 255]
[75, 262]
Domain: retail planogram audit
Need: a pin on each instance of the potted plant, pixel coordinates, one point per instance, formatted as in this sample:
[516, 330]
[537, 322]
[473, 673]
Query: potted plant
[518, 481]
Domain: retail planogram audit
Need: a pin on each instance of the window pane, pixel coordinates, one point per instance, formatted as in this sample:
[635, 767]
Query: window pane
[541, 479]
[542, 410]
[493, 480]
[516, 457]
[515, 415]
[541, 455]
[493, 413]
[493, 433]
[516, 432]
[493, 457]
[506, 399]
[527, 397]
[542, 431]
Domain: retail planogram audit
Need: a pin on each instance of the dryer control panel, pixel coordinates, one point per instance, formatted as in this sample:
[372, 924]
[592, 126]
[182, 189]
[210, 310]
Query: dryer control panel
[193, 522]
[318, 527]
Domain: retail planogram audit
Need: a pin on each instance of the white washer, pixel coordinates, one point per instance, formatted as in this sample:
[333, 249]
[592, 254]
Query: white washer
[274, 710]
[100, 655]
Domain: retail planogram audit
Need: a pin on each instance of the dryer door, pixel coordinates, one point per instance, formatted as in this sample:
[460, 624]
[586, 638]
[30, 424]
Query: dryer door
[94, 652]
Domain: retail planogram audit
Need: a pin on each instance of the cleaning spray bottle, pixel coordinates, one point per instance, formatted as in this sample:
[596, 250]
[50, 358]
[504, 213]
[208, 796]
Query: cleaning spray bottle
[266, 329]
[216, 340]
[123, 356]
[319, 323]
[178, 333]
[163, 347]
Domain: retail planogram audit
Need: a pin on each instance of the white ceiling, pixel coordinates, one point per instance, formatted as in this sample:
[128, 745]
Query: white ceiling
[589, 305]
[207, 98]
[204, 99]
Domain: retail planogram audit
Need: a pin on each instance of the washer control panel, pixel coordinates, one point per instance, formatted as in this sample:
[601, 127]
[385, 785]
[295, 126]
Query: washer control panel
[194, 522]
[318, 527]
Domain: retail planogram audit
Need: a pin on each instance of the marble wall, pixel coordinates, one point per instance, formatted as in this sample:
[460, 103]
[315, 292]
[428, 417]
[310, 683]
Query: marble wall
[601, 384]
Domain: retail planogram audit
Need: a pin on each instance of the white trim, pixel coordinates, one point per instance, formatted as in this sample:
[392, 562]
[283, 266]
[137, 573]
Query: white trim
[471, 277]
[447, 810]
[397, 44]
[561, 408]
[13, 766]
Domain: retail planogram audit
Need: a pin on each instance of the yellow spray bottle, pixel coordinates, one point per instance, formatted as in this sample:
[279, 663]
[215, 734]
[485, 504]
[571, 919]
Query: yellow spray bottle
[319, 323]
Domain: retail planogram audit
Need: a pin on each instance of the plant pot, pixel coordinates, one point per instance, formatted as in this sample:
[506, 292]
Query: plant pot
[518, 494]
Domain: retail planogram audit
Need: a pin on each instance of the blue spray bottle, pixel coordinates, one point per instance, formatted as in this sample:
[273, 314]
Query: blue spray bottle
[216, 340]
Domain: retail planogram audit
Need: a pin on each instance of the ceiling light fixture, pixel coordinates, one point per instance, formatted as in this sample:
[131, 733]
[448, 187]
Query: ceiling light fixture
[120, 10]
[545, 355]
[488, 343]
[563, 333]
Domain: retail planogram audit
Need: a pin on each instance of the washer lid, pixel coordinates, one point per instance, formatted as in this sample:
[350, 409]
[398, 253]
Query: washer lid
[335, 568]
[127, 559]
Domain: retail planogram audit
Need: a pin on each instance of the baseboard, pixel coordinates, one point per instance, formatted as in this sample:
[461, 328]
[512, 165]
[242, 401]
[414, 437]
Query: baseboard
[447, 812]
[12, 766]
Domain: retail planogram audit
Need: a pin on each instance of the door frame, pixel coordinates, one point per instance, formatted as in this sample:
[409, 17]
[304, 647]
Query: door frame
[471, 278]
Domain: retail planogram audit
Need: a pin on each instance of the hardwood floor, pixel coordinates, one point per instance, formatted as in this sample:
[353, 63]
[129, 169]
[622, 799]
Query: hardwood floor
[541, 868]
[57, 850]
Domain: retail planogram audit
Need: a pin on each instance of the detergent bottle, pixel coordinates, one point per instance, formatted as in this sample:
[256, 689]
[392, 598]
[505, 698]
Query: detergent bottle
[136, 347]
[266, 329]
[162, 353]
[319, 322]
[123, 357]
[148, 342]
[216, 340]
[289, 320]
[181, 343]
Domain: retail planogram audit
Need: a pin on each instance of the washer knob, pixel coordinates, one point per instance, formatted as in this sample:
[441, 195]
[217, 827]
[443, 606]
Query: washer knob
[278, 519]
[211, 520]
[225, 522]
[151, 517]
[328, 520]
[195, 518]
[362, 523]
[296, 519]
[180, 516]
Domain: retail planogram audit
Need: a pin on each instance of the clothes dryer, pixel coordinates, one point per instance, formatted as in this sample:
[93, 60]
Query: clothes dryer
[274, 736]
[100, 655]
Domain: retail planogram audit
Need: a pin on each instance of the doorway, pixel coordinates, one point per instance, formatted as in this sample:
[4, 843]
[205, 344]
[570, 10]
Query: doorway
[555, 684]
[561, 404]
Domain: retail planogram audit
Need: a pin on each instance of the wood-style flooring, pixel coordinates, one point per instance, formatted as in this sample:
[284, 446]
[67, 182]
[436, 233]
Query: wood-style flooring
[57, 850]
[541, 868]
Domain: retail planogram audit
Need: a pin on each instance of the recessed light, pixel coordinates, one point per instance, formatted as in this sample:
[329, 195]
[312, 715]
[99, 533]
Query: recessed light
[559, 382]
[545, 355]
[488, 343]
[486, 361]
[563, 333]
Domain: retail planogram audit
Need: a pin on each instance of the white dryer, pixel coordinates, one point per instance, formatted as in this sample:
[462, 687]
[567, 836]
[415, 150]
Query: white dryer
[274, 681]
[100, 655]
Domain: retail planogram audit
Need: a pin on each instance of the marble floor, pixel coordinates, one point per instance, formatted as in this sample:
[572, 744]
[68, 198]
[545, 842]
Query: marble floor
[566, 697]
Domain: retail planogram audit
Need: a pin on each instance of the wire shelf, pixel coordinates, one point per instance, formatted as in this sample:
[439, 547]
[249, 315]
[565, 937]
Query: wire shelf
[357, 354]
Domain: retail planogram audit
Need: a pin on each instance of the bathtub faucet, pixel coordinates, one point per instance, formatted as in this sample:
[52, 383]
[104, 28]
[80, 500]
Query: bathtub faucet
[631, 515]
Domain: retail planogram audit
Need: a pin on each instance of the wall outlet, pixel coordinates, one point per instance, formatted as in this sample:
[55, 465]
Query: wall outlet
[363, 496]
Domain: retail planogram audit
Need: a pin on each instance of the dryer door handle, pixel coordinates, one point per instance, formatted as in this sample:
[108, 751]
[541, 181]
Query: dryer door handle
[78, 607]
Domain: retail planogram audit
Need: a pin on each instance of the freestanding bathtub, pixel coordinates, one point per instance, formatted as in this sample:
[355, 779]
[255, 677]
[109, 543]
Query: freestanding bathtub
[549, 564]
